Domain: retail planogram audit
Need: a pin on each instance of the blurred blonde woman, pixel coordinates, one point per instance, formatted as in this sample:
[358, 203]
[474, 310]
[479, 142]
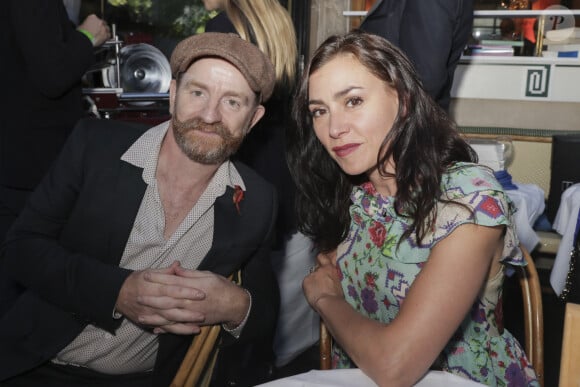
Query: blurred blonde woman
[267, 24]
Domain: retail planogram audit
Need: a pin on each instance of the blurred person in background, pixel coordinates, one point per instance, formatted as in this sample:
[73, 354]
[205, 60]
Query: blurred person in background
[46, 55]
[267, 24]
[44, 58]
[433, 34]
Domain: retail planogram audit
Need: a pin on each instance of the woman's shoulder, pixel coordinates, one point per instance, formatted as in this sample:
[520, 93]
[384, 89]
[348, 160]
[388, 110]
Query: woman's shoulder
[472, 194]
[466, 178]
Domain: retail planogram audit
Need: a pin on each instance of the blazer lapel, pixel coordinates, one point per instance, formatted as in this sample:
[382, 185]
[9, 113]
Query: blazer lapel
[228, 223]
[128, 192]
[228, 230]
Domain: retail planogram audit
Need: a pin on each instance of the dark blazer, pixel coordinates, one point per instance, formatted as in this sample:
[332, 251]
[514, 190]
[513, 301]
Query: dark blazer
[43, 60]
[65, 248]
[432, 33]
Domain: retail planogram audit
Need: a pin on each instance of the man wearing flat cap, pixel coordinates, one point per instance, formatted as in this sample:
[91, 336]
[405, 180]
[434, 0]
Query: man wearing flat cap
[135, 241]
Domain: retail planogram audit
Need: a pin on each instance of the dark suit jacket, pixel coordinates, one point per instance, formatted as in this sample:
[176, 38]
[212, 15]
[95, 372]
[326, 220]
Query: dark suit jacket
[43, 60]
[65, 248]
[432, 33]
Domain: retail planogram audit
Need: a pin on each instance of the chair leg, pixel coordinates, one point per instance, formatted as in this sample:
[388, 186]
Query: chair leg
[325, 347]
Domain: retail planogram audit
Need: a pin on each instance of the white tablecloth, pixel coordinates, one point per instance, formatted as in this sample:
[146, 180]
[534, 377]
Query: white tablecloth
[355, 378]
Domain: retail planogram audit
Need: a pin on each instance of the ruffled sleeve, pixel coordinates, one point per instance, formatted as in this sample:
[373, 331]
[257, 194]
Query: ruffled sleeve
[479, 199]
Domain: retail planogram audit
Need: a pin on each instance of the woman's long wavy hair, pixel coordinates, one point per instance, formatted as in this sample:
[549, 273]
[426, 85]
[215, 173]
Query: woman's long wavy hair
[423, 142]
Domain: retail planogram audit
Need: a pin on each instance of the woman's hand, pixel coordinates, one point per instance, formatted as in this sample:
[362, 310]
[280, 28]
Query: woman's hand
[323, 281]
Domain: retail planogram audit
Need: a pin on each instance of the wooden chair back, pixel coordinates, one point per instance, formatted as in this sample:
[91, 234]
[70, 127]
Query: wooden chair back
[533, 314]
[533, 320]
[199, 361]
[570, 360]
[325, 347]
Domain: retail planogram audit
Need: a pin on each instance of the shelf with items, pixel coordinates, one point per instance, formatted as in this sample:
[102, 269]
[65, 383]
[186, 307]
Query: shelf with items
[550, 20]
[553, 15]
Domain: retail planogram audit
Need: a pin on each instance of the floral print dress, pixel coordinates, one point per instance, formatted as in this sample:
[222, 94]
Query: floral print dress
[376, 274]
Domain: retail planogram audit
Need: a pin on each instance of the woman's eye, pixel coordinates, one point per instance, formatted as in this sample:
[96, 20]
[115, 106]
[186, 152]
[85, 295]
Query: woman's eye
[197, 93]
[316, 112]
[354, 101]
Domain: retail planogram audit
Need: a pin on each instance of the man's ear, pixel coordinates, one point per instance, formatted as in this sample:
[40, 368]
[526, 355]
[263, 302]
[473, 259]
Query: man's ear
[258, 114]
[172, 91]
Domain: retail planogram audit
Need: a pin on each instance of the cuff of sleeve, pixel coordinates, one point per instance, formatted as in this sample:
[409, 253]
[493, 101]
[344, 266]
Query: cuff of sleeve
[87, 34]
[237, 331]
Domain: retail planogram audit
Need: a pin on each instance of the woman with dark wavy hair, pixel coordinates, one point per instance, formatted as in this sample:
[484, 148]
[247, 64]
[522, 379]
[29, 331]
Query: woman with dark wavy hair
[415, 237]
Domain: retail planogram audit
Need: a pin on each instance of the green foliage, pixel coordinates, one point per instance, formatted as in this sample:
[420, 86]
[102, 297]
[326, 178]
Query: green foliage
[139, 10]
[192, 21]
[177, 18]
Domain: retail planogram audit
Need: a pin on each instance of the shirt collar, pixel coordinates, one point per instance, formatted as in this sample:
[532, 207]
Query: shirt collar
[144, 153]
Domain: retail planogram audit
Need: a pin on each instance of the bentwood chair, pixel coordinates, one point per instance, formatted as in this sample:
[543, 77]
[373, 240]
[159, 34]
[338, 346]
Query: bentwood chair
[198, 363]
[533, 314]
[533, 320]
[570, 360]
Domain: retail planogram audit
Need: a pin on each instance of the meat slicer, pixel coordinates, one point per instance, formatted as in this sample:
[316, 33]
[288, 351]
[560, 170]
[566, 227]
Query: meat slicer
[129, 82]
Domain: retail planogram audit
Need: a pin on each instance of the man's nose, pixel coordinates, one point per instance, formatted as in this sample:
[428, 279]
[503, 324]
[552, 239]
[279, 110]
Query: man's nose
[211, 112]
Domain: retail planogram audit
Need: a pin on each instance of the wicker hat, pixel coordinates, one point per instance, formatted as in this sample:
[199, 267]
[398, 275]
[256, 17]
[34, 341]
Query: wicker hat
[246, 57]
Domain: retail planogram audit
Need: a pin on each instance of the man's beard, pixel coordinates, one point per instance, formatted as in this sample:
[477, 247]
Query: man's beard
[205, 149]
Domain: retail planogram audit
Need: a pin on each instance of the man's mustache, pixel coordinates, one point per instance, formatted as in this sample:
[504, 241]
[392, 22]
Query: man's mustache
[198, 124]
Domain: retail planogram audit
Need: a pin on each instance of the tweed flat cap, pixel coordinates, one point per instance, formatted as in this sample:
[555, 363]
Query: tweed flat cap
[248, 58]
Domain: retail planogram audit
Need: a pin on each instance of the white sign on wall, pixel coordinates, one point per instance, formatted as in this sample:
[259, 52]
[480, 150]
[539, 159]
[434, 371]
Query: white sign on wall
[518, 78]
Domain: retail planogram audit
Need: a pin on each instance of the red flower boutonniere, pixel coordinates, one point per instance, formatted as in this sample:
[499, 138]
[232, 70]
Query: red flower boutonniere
[238, 197]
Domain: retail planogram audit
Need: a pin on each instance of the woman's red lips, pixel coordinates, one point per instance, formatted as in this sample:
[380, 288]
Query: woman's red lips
[344, 150]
